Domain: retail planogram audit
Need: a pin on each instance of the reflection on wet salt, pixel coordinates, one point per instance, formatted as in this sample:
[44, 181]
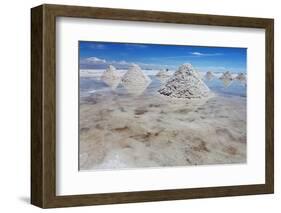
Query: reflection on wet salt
[113, 84]
[226, 82]
[136, 88]
[163, 79]
[243, 82]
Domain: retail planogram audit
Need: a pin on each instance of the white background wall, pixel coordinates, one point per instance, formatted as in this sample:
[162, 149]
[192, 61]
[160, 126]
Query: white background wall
[15, 104]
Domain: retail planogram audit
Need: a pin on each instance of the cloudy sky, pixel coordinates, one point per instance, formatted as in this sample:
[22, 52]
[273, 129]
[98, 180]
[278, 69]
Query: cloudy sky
[98, 55]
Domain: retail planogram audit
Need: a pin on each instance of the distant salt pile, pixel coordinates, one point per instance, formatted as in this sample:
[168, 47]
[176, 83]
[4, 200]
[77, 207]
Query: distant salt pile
[135, 75]
[241, 77]
[163, 76]
[226, 75]
[163, 73]
[185, 83]
[209, 75]
[111, 77]
[134, 80]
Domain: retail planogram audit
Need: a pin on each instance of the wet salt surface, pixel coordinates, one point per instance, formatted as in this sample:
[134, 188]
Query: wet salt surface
[232, 88]
[123, 130]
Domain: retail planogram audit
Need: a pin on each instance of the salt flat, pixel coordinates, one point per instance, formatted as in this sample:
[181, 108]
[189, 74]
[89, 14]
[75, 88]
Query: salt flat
[123, 130]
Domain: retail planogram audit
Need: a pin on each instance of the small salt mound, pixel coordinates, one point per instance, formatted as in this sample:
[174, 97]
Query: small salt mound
[135, 76]
[241, 77]
[185, 83]
[111, 77]
[163, 76]
[163, 73]
[209, 75]
[135, 80]
[226, 75]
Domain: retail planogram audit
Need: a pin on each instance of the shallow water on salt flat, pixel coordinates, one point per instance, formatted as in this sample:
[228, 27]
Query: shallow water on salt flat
[90, 85]
[121, 130]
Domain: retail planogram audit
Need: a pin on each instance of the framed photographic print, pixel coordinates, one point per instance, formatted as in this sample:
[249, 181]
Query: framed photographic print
[136, 106]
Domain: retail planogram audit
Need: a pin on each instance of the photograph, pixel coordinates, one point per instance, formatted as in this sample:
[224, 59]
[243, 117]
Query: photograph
[139, 105]
[155, 105]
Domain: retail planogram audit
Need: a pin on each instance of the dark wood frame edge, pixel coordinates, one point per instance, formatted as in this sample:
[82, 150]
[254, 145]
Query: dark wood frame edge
[43, 106]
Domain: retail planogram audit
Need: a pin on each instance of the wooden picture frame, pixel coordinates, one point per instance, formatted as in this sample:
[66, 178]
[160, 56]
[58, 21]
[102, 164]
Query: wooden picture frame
[43, 105]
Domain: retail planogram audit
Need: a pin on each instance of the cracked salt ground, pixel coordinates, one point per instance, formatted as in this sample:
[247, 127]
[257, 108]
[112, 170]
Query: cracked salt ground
[127, 157]
[115, 159]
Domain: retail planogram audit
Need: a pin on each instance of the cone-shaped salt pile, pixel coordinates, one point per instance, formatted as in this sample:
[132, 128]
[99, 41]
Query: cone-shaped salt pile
[185, 83]
[135, 75]
[111, 77]
[163, 73]
[241, 77]
[134, 80]
[226, 75]
[209, 75]
[163, 76]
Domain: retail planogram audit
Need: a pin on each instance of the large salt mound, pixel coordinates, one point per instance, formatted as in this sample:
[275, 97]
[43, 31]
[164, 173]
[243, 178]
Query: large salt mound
[226, 75]
[111, 77]
[185, 83]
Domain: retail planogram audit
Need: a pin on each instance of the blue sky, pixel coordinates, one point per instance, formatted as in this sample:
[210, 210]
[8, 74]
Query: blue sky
[154, 56]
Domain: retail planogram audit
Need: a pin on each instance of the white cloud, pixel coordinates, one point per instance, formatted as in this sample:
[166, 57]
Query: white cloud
[93, 60]
[204, 54]
[197, 53]
[98, 62]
